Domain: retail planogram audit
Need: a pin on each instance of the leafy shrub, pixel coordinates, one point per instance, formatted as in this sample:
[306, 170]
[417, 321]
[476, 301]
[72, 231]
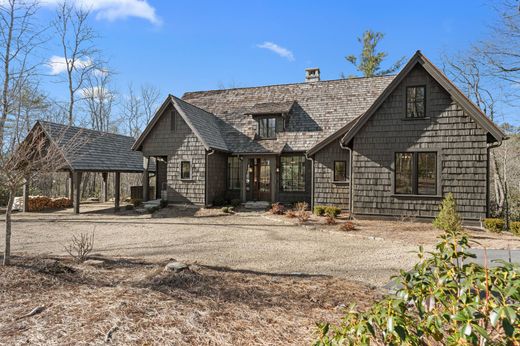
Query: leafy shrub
[129, 207]
[227, 210]
[219, 201]
[137, 202]
[444, 300]
[494, 225]
[319, 210]
[347, 227]
[291, 214]
[277, 209]
[301, 206]
[235, 202]
[329, 220]
[515, 227]
[332, 211]
[163, 203]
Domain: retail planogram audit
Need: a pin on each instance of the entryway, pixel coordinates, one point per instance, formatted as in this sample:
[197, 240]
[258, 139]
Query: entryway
[259, 179]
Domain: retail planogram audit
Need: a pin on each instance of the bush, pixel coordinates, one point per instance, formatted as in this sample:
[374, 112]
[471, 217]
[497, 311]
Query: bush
[448, 218]
[319, 210]
[129, 207]
[137, 202]
[153, 209]
[219, 201]
[235, 202]
[81, 246]
[515, 228]
[347, 227]
[227, 210]
[163, 203]
[291, 214]
[301, 206]
[445, 299]
[332, 211]
[329, 220]
[494, 225]
[277, 209]
[303, 216]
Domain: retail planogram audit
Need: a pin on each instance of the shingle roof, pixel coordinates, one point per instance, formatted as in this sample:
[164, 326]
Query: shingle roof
[99, 151]
[271, 108]
[321, 108]
[205, 124]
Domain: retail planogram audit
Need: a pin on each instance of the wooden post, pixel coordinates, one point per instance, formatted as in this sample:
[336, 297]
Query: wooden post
[104, 187]
[146, 179]
[70, 186]
[117, 190]
[26, 195]
[77, 190]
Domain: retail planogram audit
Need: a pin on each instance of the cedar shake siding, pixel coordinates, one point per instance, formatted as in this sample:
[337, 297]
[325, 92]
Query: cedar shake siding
[459, 142]
[326, 191]
[178, 145]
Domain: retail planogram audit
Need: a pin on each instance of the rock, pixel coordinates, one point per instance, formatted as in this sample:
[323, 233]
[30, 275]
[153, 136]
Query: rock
[194, 267]
[176, 266]
[94, 263]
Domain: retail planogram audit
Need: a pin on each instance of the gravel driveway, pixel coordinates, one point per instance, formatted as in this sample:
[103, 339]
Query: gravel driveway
[251, 241]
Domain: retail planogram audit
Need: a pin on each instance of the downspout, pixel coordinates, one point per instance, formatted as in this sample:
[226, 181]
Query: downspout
[350, 182]
[208, 154]
[312, 180]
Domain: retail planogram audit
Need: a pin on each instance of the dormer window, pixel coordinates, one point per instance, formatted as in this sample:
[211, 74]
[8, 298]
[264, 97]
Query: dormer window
[416, 102]
[266, 127]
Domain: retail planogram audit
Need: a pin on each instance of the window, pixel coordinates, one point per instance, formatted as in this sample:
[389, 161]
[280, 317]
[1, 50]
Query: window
[340, 171]
[233, 173]
[415, 102]
[267, 127]
[416, 173]
[173, 120]
[185, 170]
[293, 173]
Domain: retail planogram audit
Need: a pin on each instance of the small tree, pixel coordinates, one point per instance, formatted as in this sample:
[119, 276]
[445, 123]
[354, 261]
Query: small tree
[370, 60]
[448, 218]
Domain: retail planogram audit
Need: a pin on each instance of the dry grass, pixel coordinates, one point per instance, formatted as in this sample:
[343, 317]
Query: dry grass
[203, 305]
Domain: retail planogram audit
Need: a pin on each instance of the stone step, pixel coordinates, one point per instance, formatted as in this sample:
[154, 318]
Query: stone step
[257, 205]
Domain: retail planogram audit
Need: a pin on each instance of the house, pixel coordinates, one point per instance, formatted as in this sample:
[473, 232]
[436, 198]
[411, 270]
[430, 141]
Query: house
[379, 146]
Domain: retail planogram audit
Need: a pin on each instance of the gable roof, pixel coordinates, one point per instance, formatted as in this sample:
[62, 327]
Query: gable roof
[318, 109]
[99, 151]
[348, 131]
[203, 124]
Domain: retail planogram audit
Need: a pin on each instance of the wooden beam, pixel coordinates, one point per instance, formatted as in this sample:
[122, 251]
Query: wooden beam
[77, 190]
[104, 187]
[70, 186]
[117, 190]
[146, 179]
[26, 196]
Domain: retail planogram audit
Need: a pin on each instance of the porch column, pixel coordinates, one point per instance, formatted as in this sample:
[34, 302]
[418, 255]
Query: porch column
[146, 179]
[70, 186]
[26, 195]
[244, 173]
[104, 187]
[117, 190]
[77, 190]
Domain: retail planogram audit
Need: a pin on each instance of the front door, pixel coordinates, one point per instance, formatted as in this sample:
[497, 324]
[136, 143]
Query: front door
[259, 179]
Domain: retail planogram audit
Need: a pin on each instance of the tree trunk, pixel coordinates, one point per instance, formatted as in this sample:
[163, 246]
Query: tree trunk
[7, 248]
[499, 187]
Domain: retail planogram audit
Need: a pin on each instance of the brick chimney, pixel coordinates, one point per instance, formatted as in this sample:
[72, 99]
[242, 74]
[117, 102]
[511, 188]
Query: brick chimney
[312, 74]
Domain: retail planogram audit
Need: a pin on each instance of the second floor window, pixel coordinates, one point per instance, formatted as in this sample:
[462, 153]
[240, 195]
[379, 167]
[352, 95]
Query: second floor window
[267, 128]
[416, 102]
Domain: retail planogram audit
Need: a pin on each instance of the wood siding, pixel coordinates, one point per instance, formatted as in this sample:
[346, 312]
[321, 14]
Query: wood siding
[460, 142]
[326, 191]
[179, 145]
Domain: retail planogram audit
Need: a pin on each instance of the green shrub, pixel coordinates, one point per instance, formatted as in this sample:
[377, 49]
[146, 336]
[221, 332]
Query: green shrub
[129, 207]
[227, 210]
[448, 218]
[235, 202]
[319, 210]
[332, 211]
[163, 203]
[136, 202]
[515, 227]
[219, 201]
[444, 300]
[494, 225]
[153, 209]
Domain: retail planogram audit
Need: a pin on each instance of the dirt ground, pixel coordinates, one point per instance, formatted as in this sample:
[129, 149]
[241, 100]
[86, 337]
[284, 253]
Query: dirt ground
[247, 240]
[145, 305]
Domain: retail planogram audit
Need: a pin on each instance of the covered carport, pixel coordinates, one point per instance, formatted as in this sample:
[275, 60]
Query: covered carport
[98, 152]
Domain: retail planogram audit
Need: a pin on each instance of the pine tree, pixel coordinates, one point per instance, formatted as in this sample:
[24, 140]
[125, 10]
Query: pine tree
[448, 218]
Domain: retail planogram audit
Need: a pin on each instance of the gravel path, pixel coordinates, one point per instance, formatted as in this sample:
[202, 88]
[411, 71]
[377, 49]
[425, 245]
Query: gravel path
[248, 241]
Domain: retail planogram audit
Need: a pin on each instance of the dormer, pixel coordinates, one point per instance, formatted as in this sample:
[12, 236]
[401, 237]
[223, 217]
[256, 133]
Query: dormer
[271, 118]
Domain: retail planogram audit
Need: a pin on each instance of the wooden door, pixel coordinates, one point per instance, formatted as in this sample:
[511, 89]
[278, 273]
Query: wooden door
[260, 179]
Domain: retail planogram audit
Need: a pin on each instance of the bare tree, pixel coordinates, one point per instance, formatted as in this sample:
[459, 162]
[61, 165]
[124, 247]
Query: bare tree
[149, 99]
[79, 51]
[131, 110]
[99, 98]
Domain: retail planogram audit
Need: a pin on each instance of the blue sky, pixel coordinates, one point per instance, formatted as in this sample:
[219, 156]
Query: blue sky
[197, 45]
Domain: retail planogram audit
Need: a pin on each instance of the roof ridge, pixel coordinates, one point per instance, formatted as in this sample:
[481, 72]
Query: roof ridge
[84, 128]
[286, 84]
